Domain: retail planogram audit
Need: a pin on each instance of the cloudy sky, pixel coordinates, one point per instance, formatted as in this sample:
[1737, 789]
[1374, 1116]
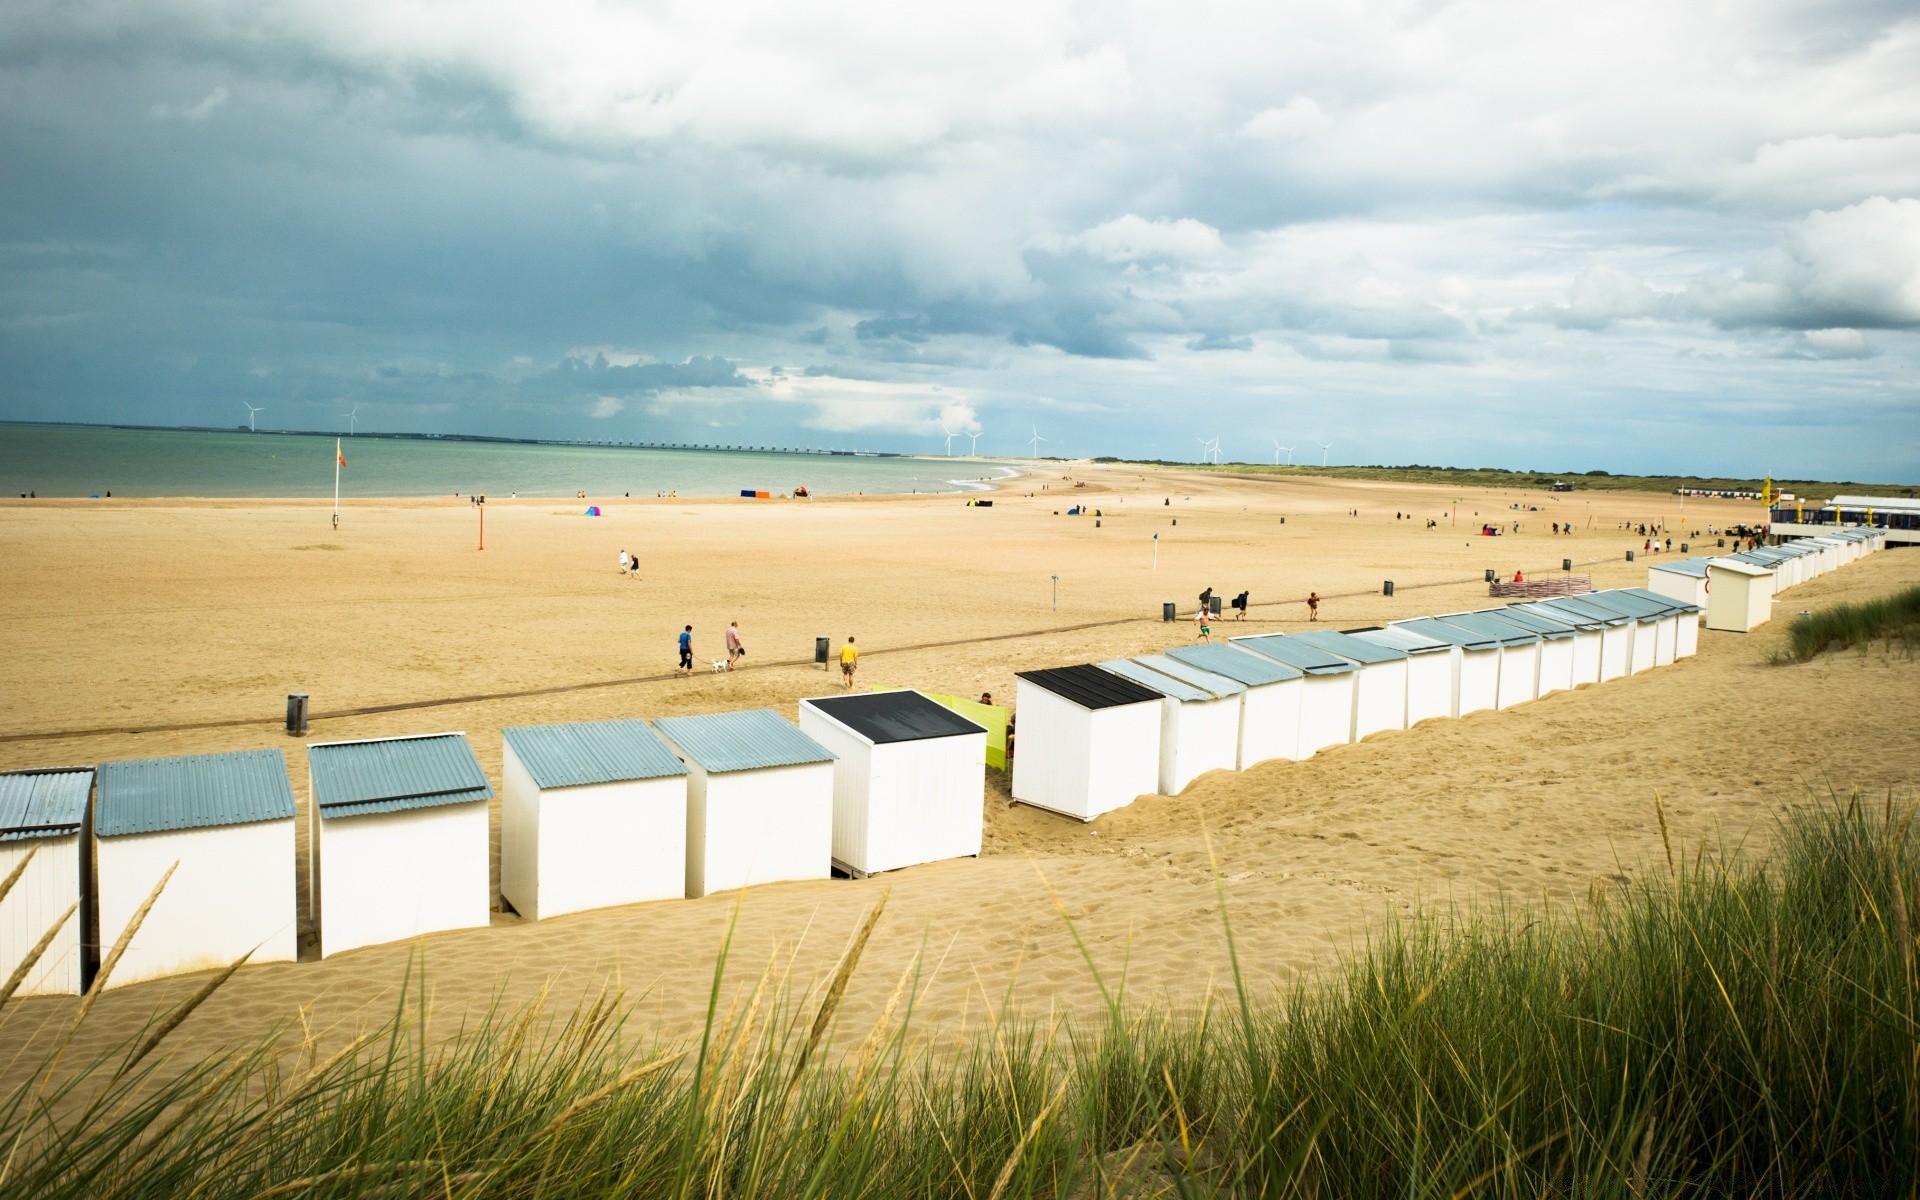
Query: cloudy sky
[1638, 235]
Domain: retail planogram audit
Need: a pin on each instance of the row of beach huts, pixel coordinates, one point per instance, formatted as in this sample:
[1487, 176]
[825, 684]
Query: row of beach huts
[615, 812]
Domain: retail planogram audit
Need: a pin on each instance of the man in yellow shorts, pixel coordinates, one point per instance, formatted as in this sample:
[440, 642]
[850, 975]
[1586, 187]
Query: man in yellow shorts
[849, 662]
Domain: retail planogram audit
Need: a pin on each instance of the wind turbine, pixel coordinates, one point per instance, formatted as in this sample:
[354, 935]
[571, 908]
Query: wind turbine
[1037, 439]
[1287, 450]
[251, 410]
[1324, 447]
[353, 424]
[1205, 446]
[975, 450]
[950, 436]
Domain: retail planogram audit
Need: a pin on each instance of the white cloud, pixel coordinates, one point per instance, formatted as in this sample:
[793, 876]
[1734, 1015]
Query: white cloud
[1131, 238]
[192, 112]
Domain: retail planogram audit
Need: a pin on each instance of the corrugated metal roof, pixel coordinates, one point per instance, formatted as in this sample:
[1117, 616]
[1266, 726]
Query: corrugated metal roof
[1192, 676]
[741, 741]
[357, 779]
[1402, 638]
[1346, 645]
[1740, 567]
[1452, 635]
[1696, 567]
[1547, 627]
[1749, 560]
[1154, 681]
[885, 718]
[1627, 606]
[587, 752]
[1666, 602]
[1245, 666]
[1505, 632]
[1577, 606]
[1089, 686]
[43, 803]
[1566, 616]
[193, 791]
[1308, 657]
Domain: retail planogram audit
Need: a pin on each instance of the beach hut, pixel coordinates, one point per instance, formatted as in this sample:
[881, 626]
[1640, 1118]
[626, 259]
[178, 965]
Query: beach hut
[592, 814]
[1089, 741]
[227, 821]
[1199, 717]
[1616, 633]
[1519, 655]
[759, 800]
[1326, 699]
[1656, 615]
[41, 815]
[1475, 660]
[1558, 640]
[1379, 690]
[1429, 670]
[909, 778]
[398, 839]
[1684, 580]
[1589, 634]
[1685, 622]
[1739, 595]
[1269, 708]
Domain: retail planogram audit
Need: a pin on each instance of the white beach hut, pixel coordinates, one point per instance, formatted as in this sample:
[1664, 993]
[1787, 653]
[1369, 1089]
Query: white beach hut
[1558, 640]
[1616, 631]
[1269, 708]
[1787, 565]
[1589, 634]
[1686, 619]
[759, 800]
[398, 839]
[592, 814]
[1519, 655]
[1326, 700]
[909, 778]
[1430, 670]
[1089, 741]
[227, 821]
[1380, 688]
[1475, 661]
[1199, 717]
[1739, 595]
[1655, 614]
[1684, 580]
[42, 814]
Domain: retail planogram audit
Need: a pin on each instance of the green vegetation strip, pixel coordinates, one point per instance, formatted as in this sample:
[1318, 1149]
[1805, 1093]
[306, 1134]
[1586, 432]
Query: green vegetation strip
[1847, 625]
[1498, 477]
[1723, 1027]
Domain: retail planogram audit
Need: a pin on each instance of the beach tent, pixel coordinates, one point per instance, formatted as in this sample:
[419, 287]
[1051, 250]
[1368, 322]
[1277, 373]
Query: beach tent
[1616, 631]
[1686, 622]
[592, 814]
[1089, 741]
[227, 820]
[1519, 655]
[1429, 670]
[990, 717]
[397, 838]
[1589, 634]
[909, 778]
[1739, 595]
[759, 800]
[1199, 717]
[1269, 708]
[1684, 580]
[1380, 689]
[1475, 659]
[1558, 640]
[42, 814]
[1326, 700]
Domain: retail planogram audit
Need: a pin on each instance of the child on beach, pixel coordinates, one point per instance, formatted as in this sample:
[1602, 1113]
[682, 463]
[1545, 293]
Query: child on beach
[1204, 619]
[849, 663]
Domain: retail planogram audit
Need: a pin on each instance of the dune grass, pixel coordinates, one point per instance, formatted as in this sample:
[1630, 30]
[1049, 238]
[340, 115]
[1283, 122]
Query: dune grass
[1724, 1026]
[1847, 625]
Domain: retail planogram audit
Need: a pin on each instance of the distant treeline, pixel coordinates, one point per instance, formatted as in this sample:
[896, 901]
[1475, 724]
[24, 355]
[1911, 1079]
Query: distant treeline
[1497, 477]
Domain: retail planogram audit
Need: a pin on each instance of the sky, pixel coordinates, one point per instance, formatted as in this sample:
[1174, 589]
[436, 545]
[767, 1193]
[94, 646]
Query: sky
[1640, 236]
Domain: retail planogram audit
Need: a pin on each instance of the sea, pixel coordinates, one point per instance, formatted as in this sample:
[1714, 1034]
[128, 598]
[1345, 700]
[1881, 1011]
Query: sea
[92, 460]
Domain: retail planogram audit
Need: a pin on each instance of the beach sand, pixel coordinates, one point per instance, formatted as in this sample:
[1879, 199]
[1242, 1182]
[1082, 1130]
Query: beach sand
[136, 615]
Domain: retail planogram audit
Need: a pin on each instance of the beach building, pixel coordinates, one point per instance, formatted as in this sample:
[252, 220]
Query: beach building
[1519, 655]
[1739, 595]
[1558, 640]
[1475, 660]
[1589, 634]
[909, 779]
[1616, 631]
[1790, 568]
[1089, 741]
[1380, 689]
[1686, 621]
[1269, 708]
[759, 800]
[1326, 697]
[227, 820]
[592, 814]
[397, 839]
[42, 814]
[1685, 580]
[1199, 717]
[1430, 670]
[1657, 621]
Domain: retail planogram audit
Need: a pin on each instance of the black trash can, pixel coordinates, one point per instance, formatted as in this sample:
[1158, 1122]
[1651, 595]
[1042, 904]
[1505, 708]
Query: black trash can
[1683, 547]
[1566, 564]
[296, 714]
[1168, 612]
[820, 648]
[1629, 556]
[1386, 589]
[1722, 543]
[1213, 605]
[1489, 575]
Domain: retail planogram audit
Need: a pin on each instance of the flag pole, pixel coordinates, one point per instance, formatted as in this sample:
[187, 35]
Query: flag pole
[336, 483]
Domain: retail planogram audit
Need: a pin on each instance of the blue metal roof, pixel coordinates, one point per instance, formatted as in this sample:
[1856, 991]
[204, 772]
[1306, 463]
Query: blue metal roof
[357, 779]
[1452, 635]
[1667, 602]
[1402, 638]
[1628, 606]
[44, 803]
[1192, 676]
[1288, 649]
[1243, 666]
[588, 752]
[1154, 681]
[1346, 645]
[1583, 622]
[193, 791]
[1504, 632]
[1578, 606]
[1696, 567]
[1551, 628]
[741, 741]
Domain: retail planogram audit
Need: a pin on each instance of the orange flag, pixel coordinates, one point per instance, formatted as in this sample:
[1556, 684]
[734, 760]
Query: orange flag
[340, 456]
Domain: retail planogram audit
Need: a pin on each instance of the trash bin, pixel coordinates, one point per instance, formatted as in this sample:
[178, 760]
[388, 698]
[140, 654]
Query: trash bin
[1566, 564]
[1629, 556]
[820, 647]
[1722, 543]
[1683, 547]
[296, 714]
[1386, 589]
[1213, 605]
[1489, 574]
[1168, 612]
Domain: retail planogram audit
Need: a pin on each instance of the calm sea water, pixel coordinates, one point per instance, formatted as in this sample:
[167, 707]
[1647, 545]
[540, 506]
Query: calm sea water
[71, 460]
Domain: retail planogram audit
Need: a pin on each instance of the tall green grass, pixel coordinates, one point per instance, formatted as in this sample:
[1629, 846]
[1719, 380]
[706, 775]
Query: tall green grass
[1723, 1027]
[1847, 625]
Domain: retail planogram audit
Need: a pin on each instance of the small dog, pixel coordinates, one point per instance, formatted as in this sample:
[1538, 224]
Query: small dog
[719, 666]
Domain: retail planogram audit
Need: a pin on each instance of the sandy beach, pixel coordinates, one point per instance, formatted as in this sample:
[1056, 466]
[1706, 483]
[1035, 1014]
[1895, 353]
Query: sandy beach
[193, 620]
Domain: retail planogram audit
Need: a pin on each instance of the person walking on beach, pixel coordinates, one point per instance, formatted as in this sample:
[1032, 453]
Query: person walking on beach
[735, 651]
[1313, 606]
[686, 651]
[1240, 607]
[849, 663]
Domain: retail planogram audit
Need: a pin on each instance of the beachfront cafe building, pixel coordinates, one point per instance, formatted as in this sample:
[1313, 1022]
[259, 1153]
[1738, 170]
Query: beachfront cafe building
[1270, 705]
[1519, 655]
[1380, 687]
[759, 800]
[909, 779]
[42, 816]
[223, 825]
[1475, 660]
[1326, 700]
[398, 839]
[1739, 595]
[592, 814]
[1429, 670]
[1199, 717]
[1089, 740]
[1685, 580]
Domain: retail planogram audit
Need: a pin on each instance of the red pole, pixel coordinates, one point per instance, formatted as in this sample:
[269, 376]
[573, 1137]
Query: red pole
[483, 525]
